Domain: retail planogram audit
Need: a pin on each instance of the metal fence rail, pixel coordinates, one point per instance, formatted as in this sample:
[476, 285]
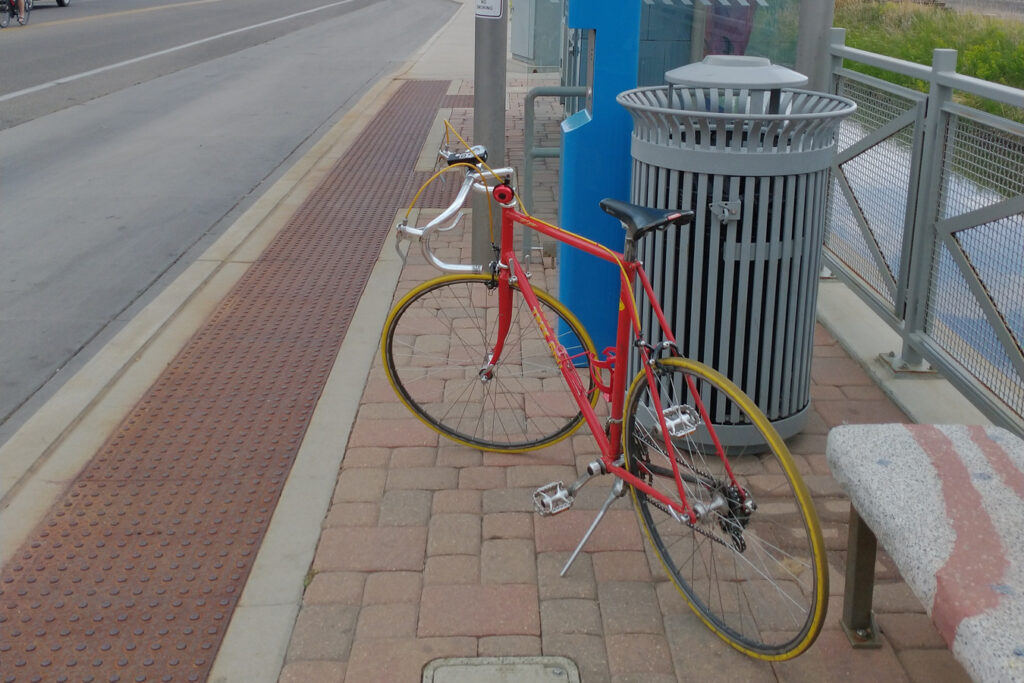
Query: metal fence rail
[926, 222]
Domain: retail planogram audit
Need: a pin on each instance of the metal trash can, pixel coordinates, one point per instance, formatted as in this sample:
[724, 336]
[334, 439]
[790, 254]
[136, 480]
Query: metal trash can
[730, 139]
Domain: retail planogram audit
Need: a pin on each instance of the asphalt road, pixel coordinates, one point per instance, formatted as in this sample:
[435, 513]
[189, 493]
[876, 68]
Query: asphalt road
[133, 132]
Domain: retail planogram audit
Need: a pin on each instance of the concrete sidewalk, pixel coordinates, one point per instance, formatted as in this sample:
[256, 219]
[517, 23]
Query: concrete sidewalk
[390, 548]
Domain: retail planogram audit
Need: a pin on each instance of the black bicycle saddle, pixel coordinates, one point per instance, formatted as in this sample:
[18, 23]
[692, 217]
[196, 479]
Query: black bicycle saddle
[643, 219]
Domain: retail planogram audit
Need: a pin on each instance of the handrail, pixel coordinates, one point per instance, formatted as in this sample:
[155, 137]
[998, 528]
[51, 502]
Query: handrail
[530, 152]
[949, 78]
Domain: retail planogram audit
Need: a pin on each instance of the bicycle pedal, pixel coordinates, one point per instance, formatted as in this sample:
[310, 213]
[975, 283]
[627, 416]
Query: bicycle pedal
[551, 499]
[681, 420]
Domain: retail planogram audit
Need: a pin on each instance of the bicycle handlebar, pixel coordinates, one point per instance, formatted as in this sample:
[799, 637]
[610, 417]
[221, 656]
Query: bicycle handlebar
[475, 180]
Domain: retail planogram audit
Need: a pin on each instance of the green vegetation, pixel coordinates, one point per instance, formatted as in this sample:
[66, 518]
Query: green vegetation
[987, 47]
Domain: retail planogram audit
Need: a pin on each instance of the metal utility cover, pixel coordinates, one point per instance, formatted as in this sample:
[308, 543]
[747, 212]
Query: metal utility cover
[502, 670]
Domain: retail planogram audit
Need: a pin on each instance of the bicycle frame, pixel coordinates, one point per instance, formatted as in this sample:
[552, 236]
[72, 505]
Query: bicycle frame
[631, 271]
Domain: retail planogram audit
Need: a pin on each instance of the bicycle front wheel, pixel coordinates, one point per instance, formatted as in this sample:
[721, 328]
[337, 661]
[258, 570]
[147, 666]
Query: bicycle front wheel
[439, 338]
[753, 567]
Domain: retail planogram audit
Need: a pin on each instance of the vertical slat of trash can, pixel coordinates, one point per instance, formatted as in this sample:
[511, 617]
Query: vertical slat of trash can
[655, 254]
[796, 270]
[712, 325]
[794, 265]
[758, 386]
[695, 275]
[778, 264]
[671, 239]
[645, 185]
[802, 261]
[745, 243]
[729, 342]
[808, 208]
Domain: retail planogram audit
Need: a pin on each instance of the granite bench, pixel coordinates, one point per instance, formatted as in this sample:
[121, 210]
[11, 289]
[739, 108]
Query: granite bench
[947, 504]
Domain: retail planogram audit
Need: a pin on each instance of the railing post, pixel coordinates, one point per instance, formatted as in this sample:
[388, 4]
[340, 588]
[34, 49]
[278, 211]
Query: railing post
[816, 17]
[836, 38]
[925, 239]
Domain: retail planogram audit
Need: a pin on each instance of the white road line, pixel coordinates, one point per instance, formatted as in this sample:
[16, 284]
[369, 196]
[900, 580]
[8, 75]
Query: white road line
[185, 46]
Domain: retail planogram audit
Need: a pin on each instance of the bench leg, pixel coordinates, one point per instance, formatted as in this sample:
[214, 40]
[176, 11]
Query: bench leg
[858, 621]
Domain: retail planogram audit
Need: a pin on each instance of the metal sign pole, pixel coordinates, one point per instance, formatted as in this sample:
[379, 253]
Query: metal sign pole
[489, 110]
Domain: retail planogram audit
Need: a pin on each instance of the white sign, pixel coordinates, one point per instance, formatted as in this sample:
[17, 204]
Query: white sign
[488, 9]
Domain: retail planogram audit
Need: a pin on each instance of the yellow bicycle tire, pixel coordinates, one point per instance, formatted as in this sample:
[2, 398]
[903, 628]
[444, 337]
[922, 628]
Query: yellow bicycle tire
[706, 552]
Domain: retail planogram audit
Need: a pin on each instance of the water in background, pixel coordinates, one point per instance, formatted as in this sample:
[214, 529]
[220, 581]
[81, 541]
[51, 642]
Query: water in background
[1006, 8]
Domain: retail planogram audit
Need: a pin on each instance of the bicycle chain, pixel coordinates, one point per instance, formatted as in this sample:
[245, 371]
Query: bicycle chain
[664, 508]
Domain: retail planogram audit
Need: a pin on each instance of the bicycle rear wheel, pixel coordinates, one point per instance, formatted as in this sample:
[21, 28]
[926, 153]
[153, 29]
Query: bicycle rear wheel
[757, 577]
[439, 336]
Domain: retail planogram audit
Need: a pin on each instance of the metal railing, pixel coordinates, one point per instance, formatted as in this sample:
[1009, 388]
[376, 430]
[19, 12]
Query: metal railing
[926, 222]
[530, 150]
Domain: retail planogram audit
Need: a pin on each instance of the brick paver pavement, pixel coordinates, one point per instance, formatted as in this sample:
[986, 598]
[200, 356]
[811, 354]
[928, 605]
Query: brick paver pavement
[431, 549]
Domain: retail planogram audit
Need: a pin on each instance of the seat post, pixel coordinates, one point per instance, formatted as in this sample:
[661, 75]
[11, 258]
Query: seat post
[629, 248]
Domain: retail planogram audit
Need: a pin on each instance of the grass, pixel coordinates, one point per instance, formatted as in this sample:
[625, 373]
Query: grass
[988, 48]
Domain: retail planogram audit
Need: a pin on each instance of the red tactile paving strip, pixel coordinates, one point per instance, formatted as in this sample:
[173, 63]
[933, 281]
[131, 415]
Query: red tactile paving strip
[459, 101]
[134, 573]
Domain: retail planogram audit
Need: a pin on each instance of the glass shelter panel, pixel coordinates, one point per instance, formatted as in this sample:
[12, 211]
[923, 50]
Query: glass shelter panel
[679, 32]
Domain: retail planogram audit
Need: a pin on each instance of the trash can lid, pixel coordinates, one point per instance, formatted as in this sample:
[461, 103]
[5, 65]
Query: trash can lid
[735, 71]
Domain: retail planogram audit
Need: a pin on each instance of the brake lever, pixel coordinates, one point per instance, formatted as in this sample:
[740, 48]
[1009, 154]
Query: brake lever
[398, 242]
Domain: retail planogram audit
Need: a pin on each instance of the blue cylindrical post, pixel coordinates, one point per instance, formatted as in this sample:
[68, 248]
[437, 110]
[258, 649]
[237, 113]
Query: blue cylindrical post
[596, 161]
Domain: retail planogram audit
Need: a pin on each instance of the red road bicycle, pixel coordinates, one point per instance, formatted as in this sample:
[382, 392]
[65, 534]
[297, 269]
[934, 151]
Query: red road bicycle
[486, 359]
